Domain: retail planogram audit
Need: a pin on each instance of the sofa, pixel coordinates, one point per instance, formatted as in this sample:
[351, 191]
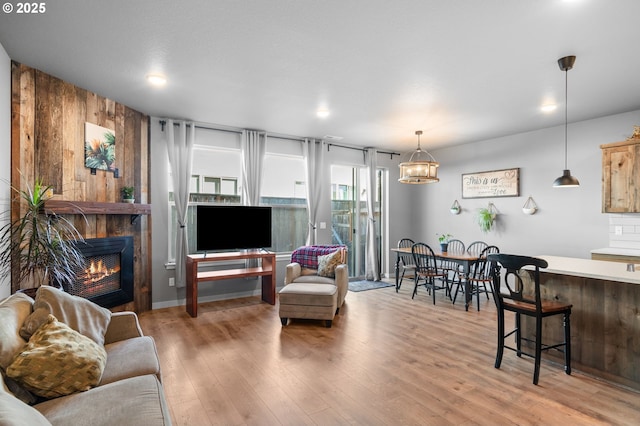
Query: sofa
[67, 361]
[316, 284]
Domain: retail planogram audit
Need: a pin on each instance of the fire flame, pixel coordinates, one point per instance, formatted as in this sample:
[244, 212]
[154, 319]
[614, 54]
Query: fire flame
[97, 271]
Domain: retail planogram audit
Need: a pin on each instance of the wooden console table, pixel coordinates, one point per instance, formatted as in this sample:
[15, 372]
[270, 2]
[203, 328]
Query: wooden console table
[267, 271]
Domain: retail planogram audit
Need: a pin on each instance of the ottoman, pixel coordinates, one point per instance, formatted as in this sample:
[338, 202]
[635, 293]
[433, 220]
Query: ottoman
[308, 300]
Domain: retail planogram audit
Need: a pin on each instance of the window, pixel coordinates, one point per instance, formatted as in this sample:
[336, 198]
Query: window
[216, 178]
[207, 188]
[284, 189]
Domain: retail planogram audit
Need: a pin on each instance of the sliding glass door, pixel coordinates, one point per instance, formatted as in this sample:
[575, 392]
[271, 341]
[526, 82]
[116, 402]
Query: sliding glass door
[349, 213]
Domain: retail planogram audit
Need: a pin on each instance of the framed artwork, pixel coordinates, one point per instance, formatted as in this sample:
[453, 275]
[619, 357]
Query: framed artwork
[494, 183]
[99, 147]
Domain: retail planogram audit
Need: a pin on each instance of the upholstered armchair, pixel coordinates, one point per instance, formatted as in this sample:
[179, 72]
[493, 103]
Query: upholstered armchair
[316, 283]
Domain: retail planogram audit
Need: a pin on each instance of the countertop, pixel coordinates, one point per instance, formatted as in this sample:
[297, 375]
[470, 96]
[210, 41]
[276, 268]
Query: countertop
[597, 269]
[617, 251]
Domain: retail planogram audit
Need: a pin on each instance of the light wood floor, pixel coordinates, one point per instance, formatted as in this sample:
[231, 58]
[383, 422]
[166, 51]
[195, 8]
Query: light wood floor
[387, 360]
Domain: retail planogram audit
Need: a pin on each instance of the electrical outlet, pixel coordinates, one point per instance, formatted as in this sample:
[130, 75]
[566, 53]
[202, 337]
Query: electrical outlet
[172, 282]
[618, 230]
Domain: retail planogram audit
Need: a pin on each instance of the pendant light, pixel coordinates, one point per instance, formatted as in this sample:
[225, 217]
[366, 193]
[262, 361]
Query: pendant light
[421, 167]
[566, 180]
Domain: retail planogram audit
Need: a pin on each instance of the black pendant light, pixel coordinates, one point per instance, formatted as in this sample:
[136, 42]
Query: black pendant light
[566, 180]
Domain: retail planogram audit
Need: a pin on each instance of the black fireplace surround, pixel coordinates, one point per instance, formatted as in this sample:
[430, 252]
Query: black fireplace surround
[113, 288]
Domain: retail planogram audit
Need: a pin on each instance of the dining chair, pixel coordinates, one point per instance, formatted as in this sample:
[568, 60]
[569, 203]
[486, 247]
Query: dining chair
[476, 247]
[427, 270]
[450, 267]
[479, 278]
[406, 266]
[518, 297]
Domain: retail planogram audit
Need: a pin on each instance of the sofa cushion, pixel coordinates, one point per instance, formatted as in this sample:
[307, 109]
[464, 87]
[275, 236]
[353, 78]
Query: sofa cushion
[80, 314]
[314, 279]
[134, 401]
[308, 294]
[130, 358]
[14, 412]
[14, 310]
[58, 361]
[327, 264]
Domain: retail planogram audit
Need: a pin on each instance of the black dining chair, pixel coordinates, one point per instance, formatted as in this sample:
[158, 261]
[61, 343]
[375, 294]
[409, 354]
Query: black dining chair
[476, 247]
[406, 267]
[518, 297]
[479, 279]
[427, 270]
[450, 267]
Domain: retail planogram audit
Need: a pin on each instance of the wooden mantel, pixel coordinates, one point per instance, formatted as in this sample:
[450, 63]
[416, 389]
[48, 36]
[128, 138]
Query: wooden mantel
[95, 207]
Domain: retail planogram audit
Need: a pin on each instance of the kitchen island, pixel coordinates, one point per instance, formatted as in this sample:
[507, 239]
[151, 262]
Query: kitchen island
[605, 319]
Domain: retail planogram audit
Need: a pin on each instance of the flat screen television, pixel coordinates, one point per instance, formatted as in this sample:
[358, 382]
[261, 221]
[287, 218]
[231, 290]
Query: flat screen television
[232, 227]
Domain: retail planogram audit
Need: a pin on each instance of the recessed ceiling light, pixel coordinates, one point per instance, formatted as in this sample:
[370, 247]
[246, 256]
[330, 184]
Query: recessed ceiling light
[157, 79]
[548, 107]
[322, 113]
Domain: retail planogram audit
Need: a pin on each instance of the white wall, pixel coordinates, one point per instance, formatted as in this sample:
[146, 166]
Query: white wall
[569, 221]
[5, 147]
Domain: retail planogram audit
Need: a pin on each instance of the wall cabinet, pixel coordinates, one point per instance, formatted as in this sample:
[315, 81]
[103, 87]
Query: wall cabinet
[621, 176]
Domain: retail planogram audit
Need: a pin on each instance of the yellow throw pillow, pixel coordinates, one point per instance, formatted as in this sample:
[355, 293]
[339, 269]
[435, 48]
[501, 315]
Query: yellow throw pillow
[58, 361]
[327, 264]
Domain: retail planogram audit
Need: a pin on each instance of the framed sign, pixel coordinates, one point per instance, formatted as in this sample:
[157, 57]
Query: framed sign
[495, 183]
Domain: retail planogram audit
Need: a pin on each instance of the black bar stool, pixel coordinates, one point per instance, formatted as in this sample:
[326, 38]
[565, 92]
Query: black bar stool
[515, 298]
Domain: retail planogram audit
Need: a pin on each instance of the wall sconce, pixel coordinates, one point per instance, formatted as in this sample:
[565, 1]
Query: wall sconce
[530, 206]
[455, 208]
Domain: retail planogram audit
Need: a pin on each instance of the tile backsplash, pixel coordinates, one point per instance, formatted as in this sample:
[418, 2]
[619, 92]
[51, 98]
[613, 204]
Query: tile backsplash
[624, 230]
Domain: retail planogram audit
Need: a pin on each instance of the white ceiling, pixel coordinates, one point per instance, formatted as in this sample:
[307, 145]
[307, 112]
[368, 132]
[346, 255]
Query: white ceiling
[460, 70]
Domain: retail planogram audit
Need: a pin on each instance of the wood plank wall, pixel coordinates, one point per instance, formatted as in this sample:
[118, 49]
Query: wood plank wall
[48, 117]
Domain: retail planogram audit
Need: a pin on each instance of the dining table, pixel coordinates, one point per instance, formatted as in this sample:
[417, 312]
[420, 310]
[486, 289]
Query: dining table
[464, 259]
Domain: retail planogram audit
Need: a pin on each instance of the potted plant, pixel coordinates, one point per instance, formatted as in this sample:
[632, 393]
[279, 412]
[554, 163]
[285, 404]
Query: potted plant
[39, 248]
[443, 239]
[486, 218]
[127, 194]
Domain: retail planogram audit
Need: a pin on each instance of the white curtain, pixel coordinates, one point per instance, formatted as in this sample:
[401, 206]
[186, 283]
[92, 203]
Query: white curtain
[253, 145]
[371, 264]
[313, 152]
[180, 148]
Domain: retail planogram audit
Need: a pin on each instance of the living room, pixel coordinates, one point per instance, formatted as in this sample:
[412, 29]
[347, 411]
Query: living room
[567, 223]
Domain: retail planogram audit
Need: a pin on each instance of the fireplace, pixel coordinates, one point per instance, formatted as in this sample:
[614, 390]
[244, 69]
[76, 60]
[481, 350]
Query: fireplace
[107, 276]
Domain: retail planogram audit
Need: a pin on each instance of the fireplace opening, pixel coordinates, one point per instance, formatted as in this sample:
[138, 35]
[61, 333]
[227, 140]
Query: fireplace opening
[107, 275]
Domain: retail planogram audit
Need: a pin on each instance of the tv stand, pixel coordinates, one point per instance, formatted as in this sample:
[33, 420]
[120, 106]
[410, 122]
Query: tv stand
[267, 271]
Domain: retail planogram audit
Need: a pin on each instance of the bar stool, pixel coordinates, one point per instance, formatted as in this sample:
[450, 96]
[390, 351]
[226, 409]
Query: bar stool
[520, 301]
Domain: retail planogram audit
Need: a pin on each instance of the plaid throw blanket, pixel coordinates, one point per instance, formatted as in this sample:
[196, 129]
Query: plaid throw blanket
[307, 256]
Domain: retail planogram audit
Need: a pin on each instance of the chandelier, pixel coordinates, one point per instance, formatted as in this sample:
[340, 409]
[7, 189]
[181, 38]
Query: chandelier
[421, 167]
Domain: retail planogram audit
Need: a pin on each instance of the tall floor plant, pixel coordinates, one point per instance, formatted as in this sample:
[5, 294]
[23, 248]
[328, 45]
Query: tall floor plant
[39, 248]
